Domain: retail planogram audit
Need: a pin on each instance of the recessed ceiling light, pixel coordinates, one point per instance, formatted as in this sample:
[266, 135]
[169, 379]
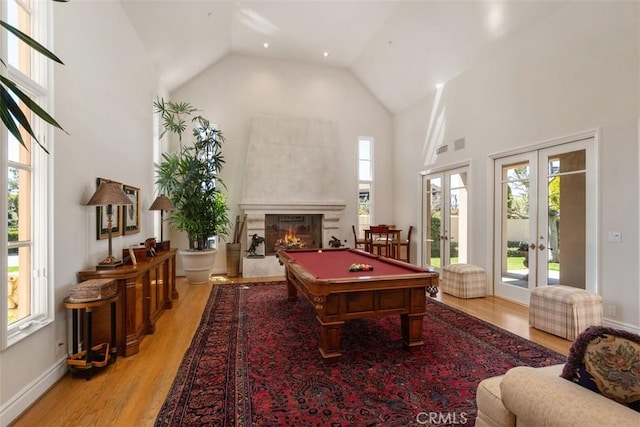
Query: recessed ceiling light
[266, 45]
[325, 54]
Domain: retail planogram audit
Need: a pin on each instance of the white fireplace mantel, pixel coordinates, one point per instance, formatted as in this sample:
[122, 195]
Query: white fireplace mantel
[255, 224]
[292, 207]
[255, 212]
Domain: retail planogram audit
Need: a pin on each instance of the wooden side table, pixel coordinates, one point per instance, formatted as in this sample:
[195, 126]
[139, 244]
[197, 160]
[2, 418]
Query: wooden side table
[85, 360]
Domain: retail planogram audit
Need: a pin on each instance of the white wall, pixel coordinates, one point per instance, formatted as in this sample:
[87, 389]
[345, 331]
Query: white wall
[574, 71]
[103, 100]
[237, 88]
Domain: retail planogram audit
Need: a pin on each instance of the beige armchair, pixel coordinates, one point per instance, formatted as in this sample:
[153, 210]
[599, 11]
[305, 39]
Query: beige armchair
[598, 386]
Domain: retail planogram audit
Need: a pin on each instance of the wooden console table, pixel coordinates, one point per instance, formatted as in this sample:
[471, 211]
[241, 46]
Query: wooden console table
[145, 290]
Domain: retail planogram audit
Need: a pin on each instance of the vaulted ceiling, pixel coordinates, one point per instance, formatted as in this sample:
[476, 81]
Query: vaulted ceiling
[399, 49]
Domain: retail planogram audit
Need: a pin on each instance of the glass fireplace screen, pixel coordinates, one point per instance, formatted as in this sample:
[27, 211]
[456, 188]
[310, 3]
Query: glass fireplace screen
[292, 232]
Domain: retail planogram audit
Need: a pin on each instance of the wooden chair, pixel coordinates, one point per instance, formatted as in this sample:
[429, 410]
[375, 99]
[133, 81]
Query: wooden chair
[358, 243]
[406, 244]
[379, 240]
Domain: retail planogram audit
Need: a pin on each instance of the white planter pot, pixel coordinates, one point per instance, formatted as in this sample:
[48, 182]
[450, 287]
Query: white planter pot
[198, 265]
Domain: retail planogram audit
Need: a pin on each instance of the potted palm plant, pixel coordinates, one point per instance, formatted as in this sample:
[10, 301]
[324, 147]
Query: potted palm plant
[190, 178]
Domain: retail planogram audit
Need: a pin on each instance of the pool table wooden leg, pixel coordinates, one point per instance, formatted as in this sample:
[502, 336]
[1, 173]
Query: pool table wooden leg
[411, 325]
[292, 292]
[330, 340]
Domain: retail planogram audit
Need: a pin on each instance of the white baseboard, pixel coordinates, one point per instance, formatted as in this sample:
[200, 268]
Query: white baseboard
[19, 403]
[619, 325]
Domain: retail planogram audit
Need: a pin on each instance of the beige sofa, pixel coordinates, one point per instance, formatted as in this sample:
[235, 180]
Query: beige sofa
[537, 397]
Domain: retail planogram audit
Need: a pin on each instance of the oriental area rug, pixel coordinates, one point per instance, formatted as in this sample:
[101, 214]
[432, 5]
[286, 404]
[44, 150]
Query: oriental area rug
[254, 361]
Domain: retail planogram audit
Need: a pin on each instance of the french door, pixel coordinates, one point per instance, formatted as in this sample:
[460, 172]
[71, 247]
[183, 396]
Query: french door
[445, 213]
[536, 245]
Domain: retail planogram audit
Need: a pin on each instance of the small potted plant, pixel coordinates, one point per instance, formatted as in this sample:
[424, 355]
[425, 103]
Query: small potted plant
[190, 178]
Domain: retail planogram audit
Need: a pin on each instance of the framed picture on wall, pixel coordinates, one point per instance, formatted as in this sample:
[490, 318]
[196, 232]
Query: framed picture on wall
[131, 213]
[102, 217]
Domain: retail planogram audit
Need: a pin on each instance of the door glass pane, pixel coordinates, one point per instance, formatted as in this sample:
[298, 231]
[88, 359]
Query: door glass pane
[567, 232]
[515, 224]
[434, 222]
[458, 215]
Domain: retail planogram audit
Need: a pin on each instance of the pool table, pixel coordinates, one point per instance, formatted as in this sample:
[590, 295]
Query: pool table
[392, 287]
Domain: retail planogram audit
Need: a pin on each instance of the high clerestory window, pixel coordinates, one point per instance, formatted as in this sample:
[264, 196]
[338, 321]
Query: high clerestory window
[365, 183]
[25, 201]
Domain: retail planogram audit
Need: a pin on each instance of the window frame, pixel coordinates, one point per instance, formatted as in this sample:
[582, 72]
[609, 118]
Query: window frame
[370, 182]
[41, 311]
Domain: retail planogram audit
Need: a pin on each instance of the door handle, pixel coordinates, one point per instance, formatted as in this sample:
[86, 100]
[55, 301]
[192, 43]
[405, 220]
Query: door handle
[541, 247]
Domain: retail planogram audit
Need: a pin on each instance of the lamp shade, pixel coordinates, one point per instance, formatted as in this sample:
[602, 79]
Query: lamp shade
[109, 193]
[161, 203]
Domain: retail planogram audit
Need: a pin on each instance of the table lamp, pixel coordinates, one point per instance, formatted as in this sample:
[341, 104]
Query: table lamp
[161, 203]
[109, 194]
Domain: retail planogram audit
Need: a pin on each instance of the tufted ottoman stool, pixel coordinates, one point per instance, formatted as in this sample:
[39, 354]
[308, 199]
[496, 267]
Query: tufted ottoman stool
[564, 311]
[464, 281]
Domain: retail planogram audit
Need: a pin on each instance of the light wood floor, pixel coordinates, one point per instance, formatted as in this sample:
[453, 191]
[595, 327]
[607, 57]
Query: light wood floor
[131, 391]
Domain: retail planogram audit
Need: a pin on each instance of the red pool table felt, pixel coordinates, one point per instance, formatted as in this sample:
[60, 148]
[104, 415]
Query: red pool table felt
[334, 264]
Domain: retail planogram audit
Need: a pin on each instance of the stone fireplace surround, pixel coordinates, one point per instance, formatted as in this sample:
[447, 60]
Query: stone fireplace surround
[269, 265]
[292, 167]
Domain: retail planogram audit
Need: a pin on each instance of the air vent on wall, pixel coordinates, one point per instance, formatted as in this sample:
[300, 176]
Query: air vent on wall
[442, 149]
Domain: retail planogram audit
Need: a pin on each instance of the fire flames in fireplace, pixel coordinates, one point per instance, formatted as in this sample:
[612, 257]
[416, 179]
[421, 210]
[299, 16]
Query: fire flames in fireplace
[292, 231]
[289, 241]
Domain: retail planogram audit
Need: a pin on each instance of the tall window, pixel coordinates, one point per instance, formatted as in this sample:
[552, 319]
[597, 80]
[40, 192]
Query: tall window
[365, 183]
[24, 199]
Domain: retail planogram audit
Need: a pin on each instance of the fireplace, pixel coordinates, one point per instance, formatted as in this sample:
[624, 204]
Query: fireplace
[292, 232]
[293, 173]
[323, 218]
